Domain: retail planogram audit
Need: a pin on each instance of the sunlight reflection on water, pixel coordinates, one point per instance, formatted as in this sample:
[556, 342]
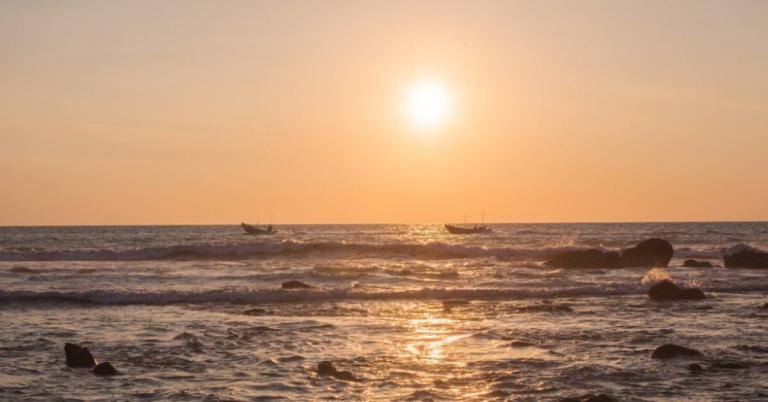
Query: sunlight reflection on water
[432, 335]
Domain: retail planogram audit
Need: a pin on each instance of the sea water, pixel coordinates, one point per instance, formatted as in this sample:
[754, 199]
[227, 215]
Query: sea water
[198, 313]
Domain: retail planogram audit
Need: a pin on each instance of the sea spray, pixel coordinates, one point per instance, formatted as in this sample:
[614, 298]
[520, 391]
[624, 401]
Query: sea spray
[655, 275]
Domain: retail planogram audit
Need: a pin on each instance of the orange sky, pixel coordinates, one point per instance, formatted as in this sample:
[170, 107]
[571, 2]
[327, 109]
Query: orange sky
[166, 112]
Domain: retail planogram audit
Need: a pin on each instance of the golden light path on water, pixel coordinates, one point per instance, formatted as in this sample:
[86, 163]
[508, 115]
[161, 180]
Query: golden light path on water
[431, 336]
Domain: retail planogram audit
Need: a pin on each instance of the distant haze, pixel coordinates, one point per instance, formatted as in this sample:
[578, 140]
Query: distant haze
[171, 112]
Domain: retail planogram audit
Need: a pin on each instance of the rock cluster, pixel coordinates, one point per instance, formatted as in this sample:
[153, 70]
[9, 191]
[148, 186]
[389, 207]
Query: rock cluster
[648, 253]
[80, 357]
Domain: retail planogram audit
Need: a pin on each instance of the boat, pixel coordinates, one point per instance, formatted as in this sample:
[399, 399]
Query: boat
[468, 229]
[255, 230]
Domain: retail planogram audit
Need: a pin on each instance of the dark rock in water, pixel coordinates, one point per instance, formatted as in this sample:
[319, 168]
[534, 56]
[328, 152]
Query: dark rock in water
[751, 349]
[670, 351]
[591, 258]
[105, 368]
[295, 285]
[545, 308]
[666, 290]
[496, 394]
[258, 311]
[591, 398]
[730, 365]
[448, 305]
[78, 356]
[649, 253]
[747, 258]
[521, 344]
[695, 367]
[327, 368]
[691, 263]
[22, 270]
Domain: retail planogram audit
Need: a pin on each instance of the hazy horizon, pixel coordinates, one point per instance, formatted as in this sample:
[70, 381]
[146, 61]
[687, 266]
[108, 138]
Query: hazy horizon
[191, 113]
[237, 224]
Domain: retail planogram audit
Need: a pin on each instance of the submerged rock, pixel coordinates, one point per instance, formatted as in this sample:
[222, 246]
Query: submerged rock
[105, 368]
[258, 311]
[730, 365]
[666, 290]
[591, 398]
[669, 351]
[295, 285]
[545, 308]
[648, 253]
[695, 367]
[78, 356]
[521, 344]
[691, 263]
[327, 368]
[746, 258]
[22, 270]
[448, 305]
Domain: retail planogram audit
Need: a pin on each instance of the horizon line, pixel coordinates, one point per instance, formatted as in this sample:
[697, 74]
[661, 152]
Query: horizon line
[398, 224]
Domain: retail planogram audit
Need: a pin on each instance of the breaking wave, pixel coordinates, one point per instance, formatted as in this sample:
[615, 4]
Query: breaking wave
[257, 296]
[425, 251]
[121, 297]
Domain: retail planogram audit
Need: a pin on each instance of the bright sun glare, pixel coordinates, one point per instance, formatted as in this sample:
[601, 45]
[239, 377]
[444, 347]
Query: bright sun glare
[428, 104]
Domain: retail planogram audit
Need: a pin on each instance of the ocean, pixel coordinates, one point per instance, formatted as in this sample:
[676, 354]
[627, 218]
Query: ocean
[191, 313]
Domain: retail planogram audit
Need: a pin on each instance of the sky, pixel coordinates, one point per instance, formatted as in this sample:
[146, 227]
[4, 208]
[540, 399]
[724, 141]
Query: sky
[191, 112]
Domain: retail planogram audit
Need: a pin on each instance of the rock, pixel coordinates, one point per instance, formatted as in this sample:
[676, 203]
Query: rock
[649, 253]
[591, 398]
[545, 308]
[295, 285]
[105, 368]
[691, 263]
[327, 368]
[670, 351]
[521, 344]
[730, 365]
[258, 311]
[695, 367]
[22, 270]
[666, 290]
[591, 258]
[78, 356]
[746, 258]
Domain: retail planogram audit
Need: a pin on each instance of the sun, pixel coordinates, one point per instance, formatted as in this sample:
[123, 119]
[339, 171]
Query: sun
[428, 104]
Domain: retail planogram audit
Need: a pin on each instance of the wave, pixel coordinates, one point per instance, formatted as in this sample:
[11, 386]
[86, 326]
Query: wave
[124, 297]
[263, 296]
[290, 248]
[426, 251]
